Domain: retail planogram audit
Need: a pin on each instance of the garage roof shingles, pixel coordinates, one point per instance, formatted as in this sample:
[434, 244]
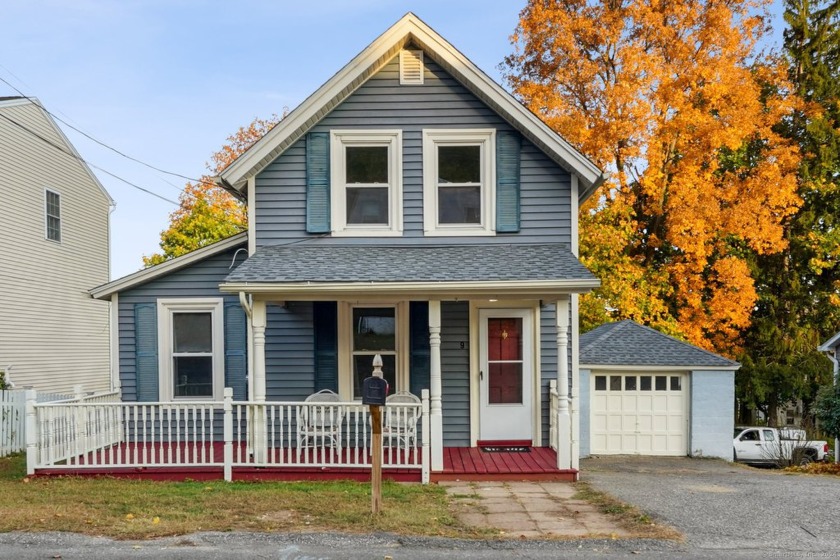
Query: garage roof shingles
[627, 343]
[414, 263]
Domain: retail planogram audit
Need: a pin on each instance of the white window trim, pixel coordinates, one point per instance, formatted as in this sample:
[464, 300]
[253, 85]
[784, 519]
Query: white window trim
[339, 139]
[165, 310]
[345, 346]
[47, 217]
[486, 138]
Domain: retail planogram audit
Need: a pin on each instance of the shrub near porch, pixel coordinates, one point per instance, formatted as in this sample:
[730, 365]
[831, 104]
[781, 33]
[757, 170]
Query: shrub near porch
[132, 509]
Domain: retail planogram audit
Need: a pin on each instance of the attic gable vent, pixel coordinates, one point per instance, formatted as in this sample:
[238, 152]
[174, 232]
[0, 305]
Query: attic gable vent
[411, 67]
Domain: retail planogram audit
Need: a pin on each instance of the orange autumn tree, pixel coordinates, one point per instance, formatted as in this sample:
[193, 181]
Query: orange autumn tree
[670, 100]
[208, 213]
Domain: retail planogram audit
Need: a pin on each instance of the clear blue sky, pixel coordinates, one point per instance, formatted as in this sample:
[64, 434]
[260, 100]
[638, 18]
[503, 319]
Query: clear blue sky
[166, 81]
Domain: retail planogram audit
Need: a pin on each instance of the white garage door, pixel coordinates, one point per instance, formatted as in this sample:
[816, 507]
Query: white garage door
[635, 413]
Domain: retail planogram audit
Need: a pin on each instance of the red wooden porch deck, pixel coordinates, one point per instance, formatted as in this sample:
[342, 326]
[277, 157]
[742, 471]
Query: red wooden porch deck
[475, 464]
[459, 463]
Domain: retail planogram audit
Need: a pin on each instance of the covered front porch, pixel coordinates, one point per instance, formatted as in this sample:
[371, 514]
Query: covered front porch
[258, 441]
[486, 329]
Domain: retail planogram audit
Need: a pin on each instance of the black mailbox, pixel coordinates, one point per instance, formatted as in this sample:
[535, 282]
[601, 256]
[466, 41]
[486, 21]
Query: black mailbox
[374, 391]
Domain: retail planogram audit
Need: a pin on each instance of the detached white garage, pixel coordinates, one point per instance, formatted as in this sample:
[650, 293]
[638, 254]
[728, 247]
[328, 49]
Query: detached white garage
[646, 393]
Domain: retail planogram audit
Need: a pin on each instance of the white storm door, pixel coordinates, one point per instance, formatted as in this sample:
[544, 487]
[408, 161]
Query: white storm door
[506, 374]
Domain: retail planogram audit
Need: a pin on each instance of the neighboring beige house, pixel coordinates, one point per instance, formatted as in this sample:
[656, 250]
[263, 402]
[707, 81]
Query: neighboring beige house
[53, 247]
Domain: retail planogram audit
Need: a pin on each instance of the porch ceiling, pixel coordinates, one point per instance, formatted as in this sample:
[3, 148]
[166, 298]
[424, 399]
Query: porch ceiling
[459, 271]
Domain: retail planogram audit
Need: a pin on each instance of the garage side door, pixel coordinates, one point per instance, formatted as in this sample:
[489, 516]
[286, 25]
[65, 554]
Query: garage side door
[643, 414]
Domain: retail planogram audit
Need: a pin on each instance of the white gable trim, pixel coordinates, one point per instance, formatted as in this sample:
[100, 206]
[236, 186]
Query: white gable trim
[831, 344]
[408, 29]
[148, 274]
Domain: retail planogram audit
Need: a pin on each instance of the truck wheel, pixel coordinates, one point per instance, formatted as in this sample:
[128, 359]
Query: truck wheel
[805, 459]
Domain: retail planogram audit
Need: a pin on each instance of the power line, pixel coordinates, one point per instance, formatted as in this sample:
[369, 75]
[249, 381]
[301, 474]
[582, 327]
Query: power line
[89, 137]
[64, 150]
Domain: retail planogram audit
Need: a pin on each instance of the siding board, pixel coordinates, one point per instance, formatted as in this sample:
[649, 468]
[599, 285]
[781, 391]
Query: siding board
[201, 279]
[441, 102]
[51, 332]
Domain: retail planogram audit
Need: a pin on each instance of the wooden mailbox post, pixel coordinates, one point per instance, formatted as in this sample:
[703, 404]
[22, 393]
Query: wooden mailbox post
[374, 393]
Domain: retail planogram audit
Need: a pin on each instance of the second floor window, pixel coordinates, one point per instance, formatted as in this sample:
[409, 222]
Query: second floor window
[459, 182]
[366, 179]
[53, 211]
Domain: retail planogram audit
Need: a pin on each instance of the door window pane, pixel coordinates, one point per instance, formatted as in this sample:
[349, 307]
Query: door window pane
[193, 332]
[630, 383]
[504, 339]
[600, 382]
[661, 383]
[676, 383]
[644, 382]
[615, 383]
[367, 164]
[505, 383]
[193, 376]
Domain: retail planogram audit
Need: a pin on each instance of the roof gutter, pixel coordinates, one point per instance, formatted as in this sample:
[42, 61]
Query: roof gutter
[380, 290]
[222, 182]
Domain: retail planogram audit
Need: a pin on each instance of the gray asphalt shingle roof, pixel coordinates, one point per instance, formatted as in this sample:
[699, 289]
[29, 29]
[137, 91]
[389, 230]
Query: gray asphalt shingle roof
[627, 343]
[410, 263]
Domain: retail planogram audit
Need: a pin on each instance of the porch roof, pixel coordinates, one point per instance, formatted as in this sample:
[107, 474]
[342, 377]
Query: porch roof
[506, 269]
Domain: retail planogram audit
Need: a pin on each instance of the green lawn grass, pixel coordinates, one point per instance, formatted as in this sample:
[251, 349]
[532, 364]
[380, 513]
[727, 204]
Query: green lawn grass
[134, 509]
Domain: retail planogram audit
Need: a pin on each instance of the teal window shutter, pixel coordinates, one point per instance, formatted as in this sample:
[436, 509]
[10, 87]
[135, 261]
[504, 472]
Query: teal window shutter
[325, 319]
[419, 363]
[146, 351]
[236, 351]
[318, 182]
[508, 148]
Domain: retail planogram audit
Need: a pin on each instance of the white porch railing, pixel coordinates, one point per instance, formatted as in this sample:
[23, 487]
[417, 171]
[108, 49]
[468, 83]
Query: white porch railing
[102, 435]
[553, 402]
[13, 413]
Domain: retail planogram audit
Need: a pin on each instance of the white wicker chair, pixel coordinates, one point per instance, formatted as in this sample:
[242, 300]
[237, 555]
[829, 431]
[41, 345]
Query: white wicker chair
[317, 423]
[400, 423]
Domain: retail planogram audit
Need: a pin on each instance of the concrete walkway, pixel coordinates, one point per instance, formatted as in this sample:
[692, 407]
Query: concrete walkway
[530, 510]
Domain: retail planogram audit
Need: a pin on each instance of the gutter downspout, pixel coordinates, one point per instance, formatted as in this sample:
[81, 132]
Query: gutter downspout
[245, 302]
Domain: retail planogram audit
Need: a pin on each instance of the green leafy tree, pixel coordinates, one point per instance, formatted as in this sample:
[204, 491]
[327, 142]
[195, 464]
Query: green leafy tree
[798, 304]
[208, 213]
[827, 409]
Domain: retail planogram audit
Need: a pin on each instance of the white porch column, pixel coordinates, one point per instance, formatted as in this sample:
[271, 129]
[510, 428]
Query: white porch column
[564, 418]
[258, 429]
[575, 392]
[258, 375]
[435, 387]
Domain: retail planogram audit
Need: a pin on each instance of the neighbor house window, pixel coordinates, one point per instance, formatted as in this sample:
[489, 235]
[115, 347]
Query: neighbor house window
[191, 349]
[458, 182]
[366, 182]
[53, 215]
[370, 330]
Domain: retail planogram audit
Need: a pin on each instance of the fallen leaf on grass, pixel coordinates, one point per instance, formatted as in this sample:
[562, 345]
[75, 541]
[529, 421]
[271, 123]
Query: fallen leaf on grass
[156, 520]
[129, 516]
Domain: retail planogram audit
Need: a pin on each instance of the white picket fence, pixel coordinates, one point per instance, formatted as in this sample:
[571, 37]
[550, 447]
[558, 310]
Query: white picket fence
[119, 435]
[13, 413]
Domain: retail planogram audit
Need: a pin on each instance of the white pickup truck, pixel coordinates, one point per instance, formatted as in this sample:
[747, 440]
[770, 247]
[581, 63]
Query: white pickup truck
[769, 446]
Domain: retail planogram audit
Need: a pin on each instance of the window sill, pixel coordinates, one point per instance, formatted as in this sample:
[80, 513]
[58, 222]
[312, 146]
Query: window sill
[459, 232]
[367, 233]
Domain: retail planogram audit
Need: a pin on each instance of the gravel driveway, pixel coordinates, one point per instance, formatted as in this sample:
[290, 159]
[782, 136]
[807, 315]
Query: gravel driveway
[725, 506]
